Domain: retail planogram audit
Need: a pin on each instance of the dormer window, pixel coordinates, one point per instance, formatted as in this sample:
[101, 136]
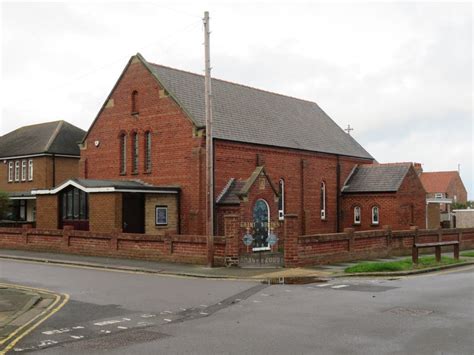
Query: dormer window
[135, 102]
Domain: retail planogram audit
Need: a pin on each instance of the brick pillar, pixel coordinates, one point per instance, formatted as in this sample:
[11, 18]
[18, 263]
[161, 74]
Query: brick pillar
[66, 235]
[232, 238]
[388, 234]
[24, 232]
[350, 235]
[291, 232]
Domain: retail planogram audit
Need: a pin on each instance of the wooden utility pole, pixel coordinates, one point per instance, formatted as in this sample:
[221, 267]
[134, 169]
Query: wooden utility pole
[209, 146]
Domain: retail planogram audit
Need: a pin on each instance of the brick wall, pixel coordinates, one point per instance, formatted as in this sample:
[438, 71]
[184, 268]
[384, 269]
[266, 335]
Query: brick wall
[456, 188]
[302, 172]
[173, 248]
[177, 156]
[65, 168]
[170, 201]
[105, 212]
[47, 211]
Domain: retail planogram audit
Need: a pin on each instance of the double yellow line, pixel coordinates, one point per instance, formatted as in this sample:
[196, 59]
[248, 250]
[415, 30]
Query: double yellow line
[13, 338]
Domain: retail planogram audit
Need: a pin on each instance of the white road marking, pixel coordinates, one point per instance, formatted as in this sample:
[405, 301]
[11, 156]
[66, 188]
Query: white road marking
[77, 336]
[47, 342]
[78, 327]
[122, 327]
[151, 315]
[167, 320]
[108, 322]
[203, 305]
[204, 313]
[324, 285]
[126, 319]
[105, 331]
[340, 286]
[57, 331]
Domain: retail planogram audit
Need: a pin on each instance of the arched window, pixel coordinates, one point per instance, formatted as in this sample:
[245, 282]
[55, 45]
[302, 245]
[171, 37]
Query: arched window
[123, 153]
[375, 215]
[147, 152]
[134, 102]
[135, 153]
[323, 200]
[281, 200]
[357, 215]
[261, 223]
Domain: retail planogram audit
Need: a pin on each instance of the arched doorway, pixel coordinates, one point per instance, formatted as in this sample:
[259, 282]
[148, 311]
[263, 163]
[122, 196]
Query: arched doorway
[261, 219]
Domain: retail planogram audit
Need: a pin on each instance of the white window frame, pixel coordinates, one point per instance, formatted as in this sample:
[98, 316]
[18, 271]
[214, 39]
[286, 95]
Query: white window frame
[439, 195]
[17, 170]
[30, 170]
[323, 193]
[281, 212]
[157, 208]
[24, 170]
[268, 228]
[355, 215]
[10, 171]
[373, 215]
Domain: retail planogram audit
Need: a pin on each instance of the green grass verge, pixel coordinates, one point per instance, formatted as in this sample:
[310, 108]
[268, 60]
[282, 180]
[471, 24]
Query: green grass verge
[468, 253]
[401, 265]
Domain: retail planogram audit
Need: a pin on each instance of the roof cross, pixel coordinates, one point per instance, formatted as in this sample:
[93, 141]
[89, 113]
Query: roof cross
[349, 129]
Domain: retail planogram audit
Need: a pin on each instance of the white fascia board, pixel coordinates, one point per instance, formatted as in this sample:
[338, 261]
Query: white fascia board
[439, 200]
[23, 198]
[147, 191]
[40, 155]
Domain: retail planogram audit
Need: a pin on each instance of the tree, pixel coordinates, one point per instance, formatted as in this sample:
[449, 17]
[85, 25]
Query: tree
[462, 206]
[4, 204]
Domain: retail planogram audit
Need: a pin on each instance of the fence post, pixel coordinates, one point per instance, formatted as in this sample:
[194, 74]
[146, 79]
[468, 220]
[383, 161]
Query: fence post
[232, 237]
[415, 234]
[440, 234]
[291, 231]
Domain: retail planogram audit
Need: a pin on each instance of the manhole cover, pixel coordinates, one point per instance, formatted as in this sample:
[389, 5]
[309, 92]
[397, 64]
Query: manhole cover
[409, 311]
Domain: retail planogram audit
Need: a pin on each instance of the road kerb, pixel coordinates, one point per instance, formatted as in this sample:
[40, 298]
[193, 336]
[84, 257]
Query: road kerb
[14, 337]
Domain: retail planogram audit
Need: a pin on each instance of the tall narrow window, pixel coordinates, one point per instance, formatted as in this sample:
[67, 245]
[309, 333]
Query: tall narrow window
[281, 200]
[147, 151]
[134, 102]
[30, 170]
[123, 153]
[23, 170]
[323, 200]
[17, 171]
[10, 171]
[135, 153]
[357, 216]
[375, 215]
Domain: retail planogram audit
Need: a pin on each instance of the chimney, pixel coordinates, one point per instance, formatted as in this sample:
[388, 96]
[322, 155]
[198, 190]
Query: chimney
[418, 168]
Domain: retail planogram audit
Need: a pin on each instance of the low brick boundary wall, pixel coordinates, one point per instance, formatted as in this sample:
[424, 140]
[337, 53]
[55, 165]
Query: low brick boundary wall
[172, 248]
[349, 245]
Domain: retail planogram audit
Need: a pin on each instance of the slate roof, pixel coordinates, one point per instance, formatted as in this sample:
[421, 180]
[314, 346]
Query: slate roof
[437, 181]
[58, 137]
[120, 184]
[245, 114]
[376, 178]
[230, 193]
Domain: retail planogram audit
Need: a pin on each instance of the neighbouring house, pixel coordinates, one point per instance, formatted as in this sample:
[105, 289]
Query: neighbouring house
[463, 218]
[442, 189]
[383, 194]
[142, 166]
[39, 156]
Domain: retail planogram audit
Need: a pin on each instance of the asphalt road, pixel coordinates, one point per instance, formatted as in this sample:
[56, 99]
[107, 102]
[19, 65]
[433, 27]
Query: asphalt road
[126, 313]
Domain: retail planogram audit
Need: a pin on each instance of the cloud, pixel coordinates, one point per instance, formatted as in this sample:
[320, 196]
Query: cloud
[399, 73]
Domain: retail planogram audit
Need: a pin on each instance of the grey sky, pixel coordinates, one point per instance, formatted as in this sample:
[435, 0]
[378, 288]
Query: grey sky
[399, 73]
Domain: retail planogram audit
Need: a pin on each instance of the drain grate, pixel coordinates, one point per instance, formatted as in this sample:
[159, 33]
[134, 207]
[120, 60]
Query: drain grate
[409, 311]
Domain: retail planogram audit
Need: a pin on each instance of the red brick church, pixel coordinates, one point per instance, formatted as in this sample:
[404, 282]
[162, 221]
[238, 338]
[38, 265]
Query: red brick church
[142, 165]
